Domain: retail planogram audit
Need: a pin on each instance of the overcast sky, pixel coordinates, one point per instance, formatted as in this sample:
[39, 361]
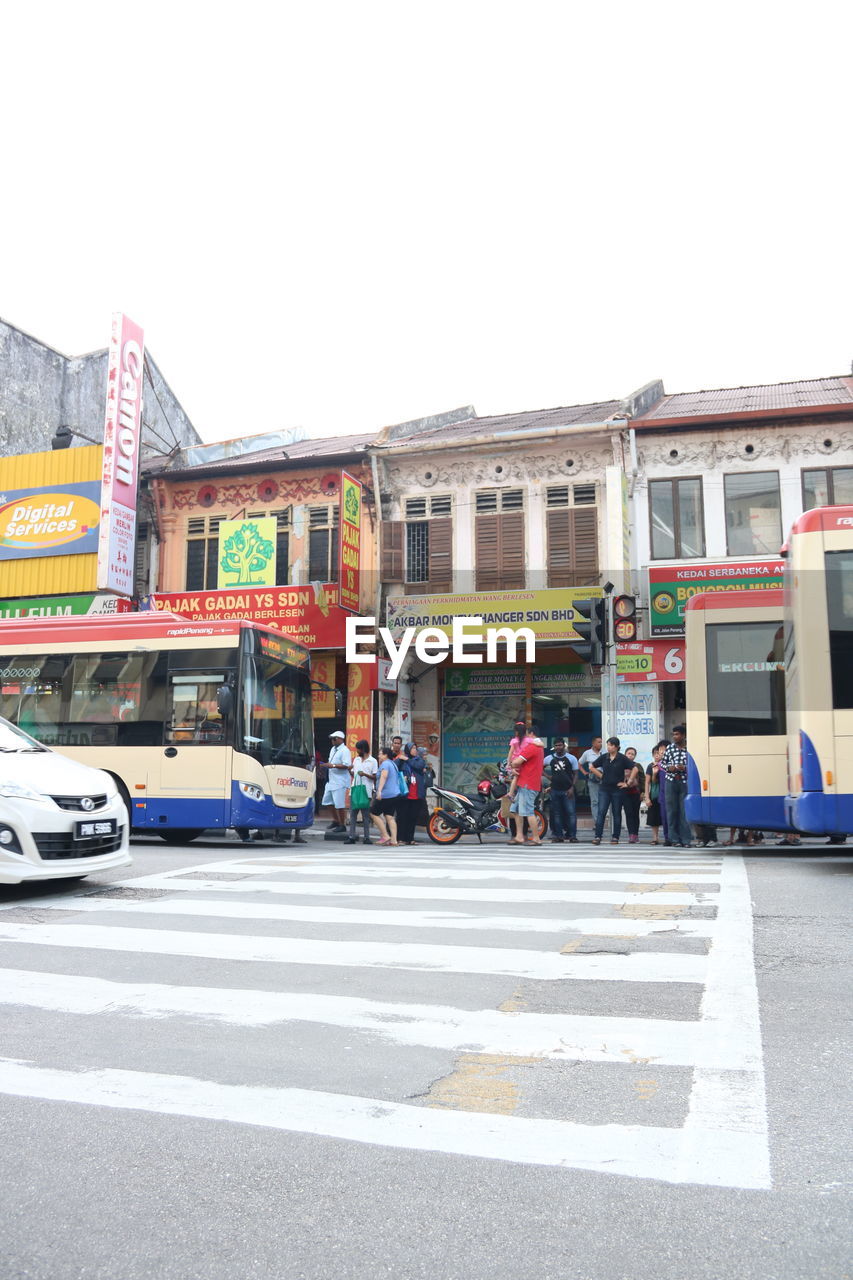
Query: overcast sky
[342, 215]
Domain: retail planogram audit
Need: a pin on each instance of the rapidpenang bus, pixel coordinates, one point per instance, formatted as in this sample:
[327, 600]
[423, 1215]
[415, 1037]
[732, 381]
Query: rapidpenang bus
[202, 725]
[736, 713]
[819, 670]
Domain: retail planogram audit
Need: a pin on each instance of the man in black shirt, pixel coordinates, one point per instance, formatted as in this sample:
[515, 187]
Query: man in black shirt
[611, 768]
[561, 767]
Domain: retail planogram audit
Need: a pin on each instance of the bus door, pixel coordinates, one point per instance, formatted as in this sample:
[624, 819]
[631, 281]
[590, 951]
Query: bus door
[194, 786]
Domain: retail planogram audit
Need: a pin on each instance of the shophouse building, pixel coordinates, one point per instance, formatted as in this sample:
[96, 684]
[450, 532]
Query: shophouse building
[717, 480]
[509, 518]
[286, 494]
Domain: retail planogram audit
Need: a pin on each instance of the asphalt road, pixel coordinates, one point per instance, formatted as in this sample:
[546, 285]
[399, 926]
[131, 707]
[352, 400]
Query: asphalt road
[347, 1062]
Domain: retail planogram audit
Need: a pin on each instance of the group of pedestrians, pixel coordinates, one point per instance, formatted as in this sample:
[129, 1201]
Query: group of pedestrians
[387, 794]
[618, 785]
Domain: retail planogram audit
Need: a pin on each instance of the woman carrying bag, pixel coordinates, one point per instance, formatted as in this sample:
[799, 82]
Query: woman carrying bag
[383, 808]
[364, 770]
[413, 768]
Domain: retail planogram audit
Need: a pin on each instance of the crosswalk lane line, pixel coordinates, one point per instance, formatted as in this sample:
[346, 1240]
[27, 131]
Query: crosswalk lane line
[452, 873]
[618, 927]
[707, 1157]
[565, 1037]
[541, 965]
[606, 897]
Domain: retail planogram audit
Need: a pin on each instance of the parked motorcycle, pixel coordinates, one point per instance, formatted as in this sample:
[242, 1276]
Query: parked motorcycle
[459, 815]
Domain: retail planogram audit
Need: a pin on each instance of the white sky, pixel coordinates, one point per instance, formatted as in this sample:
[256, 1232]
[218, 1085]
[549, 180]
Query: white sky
[342, 215]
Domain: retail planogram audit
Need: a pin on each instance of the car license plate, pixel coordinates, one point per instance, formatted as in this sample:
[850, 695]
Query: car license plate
[93, 827]
[290, 819]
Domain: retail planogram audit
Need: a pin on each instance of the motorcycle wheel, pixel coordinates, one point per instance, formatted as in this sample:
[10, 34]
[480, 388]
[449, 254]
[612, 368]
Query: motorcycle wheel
[538, 817]
[442, 832]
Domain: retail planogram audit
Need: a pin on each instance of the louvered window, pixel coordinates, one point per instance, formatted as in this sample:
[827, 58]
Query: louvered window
[572, 525]
[142, 559]
[323, 543]
[418, 551]
[202, 552]
[499, 535]
[282, 546]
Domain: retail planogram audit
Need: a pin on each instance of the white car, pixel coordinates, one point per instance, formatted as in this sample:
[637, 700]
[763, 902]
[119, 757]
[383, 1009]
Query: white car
[58, 818]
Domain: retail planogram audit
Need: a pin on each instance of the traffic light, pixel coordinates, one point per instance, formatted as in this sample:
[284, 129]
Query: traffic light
[625, 617]
[601, 628]
[590, 630]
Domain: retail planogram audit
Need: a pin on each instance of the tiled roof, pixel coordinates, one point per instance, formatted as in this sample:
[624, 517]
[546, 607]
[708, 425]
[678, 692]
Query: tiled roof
[775, 396]
[509, 424]
[303, 451]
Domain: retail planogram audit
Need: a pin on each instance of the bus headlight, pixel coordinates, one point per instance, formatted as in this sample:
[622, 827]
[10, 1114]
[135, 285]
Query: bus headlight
[250, 791]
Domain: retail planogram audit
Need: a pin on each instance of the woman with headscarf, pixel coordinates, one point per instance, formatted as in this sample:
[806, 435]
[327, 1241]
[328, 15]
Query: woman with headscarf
[409, 811]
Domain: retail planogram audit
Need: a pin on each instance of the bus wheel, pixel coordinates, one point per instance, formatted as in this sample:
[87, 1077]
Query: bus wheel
[442, 832]
[180, 835]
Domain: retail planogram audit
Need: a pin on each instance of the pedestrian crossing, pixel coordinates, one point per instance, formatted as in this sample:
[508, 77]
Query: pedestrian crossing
[355, 983]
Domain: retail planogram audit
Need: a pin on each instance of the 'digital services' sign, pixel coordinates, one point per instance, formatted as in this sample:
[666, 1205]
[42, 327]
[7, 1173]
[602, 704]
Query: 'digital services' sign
[59, 520]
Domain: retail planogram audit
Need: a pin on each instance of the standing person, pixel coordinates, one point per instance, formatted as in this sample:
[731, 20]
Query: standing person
[364, 770]
[609, 770]
[411, 805]
[338, 764]
[588, 758]
[632, 796]
[383, 810]
[397, 746]
[431, 759]
[652, 792]
[675, 766]
[561, 767]
[528, 766]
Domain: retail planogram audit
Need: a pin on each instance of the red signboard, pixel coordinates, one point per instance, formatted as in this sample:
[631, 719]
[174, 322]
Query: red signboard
[359, 704]
[316, 623]
[122, 430]
[646, 660]
[349, 542]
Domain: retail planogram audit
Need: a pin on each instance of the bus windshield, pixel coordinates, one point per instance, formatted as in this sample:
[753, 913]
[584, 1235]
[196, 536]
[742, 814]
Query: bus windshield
[276, 725]
[839, 599]
[745, 673]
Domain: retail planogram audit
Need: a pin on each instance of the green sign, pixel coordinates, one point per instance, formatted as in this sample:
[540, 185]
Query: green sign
[61, 606]
[671, 586]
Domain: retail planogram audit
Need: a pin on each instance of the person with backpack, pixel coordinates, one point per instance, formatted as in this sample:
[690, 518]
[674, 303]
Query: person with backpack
[561, 768]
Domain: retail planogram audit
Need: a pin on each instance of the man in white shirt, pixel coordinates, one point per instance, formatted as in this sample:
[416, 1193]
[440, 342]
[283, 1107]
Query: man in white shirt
[364, 770]
[338, 764]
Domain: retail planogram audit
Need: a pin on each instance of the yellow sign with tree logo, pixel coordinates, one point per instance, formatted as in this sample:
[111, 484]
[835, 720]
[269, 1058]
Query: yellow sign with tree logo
[247, 553]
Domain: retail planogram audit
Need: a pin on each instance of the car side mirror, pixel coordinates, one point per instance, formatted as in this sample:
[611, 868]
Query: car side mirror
[225, 700]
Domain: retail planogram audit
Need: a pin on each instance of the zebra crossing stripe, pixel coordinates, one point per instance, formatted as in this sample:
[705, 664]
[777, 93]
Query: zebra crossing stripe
[205, 909]
[565, 1037]
[452, 873]
[722, 1158]
[544, 966]
[604, 897]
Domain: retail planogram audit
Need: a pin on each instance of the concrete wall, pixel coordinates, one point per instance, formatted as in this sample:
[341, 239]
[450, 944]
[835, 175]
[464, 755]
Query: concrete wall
[41, 389]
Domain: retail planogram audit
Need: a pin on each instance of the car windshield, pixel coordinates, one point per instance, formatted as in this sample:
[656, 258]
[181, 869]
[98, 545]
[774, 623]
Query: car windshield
[12, 739]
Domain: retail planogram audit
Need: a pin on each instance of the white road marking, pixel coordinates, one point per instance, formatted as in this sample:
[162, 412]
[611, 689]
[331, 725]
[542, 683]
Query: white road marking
[620, 927]
[732, 1100]
[711, 1158]
[566, 1037]
[452, 873]
[542, 965]
[606, 897]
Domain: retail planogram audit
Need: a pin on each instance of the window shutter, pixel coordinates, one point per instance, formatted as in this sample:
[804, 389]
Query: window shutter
[572, 547]
[487, 552]
[512, 551]
[392, 559]
[440, 556]
[500, 552]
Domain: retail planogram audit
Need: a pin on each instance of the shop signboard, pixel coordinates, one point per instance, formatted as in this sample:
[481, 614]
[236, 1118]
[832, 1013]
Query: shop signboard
[323, 669]
[645, 660]
[548, 613]
[246, 553]
[58, 519]
[637, 721]
[349, 542]
[381, 677]
[404, 710]
[311, 617]
[63, 606]
[671, 586]
[120, 479]
[359, 704]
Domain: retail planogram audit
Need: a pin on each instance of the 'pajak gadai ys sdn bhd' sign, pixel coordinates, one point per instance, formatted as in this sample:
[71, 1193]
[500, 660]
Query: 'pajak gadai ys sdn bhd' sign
[122, 430]
[349, 542]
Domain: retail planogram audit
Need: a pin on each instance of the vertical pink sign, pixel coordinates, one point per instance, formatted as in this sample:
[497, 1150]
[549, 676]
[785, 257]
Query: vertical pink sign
[120, 481]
